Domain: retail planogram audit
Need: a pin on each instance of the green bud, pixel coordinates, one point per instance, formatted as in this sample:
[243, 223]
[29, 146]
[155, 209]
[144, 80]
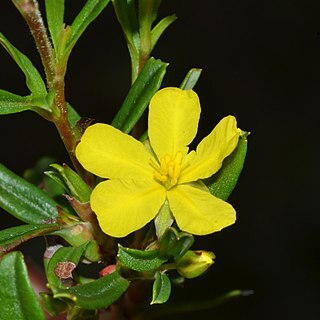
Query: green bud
[194, 263]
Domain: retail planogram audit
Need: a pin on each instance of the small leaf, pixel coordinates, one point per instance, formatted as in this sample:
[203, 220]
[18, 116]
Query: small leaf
[62, 255]
[73, 115]
[127, 17]
[185, 241]
[18, 300]
[55, 17]
[191, 79]
[79, 234]
[88, 14]
[97, 294]
[146, 85]
[33, 79]
[161, 288]
[175, 244]
[12, 237]
[77, 187]
[224, 181]
[160, 27]
[140, 260]
[12, 103]
[57, 179]
[24, 200]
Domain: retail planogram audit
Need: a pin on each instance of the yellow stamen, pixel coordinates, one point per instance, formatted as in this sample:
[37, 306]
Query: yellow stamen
[169, 171]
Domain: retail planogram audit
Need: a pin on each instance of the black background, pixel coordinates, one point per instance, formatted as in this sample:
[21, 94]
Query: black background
[260, 62]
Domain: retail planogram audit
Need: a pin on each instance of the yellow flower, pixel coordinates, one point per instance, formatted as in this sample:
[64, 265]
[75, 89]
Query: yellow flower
[141, 180]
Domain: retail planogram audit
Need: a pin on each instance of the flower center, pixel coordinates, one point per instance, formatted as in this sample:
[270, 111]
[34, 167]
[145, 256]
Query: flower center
[169, 171]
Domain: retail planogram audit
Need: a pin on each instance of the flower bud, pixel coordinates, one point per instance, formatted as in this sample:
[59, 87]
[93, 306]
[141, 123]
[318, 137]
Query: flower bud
[194, 263]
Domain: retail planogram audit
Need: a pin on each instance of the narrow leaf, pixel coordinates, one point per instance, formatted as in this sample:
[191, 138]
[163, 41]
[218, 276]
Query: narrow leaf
[55, 17]
[97, 294]
[12, 103]
[140, 260]
[224, 181]
[191, 79]
[160, 27]
[146, 85]
[88, 14]
[12, 237]
[127, 17]
[73, 115]
[77, 187]
[161, 288]
[175, 244]
[33, 79]
[18, 300]
[24, 200]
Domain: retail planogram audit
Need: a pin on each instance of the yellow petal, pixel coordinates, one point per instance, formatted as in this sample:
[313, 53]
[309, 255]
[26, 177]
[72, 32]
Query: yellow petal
[126, 206]
[173, 121]
[198, 212]
[211, 151]
[109, 153]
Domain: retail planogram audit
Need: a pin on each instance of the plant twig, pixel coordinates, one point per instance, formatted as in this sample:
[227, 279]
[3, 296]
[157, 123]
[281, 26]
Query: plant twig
[160, 311]
[29, 9]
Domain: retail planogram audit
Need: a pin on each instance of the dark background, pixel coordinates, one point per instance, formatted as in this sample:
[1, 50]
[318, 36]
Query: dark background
[260, 62]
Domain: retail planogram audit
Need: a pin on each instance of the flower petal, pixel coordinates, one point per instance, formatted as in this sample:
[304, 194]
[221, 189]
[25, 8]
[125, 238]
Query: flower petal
[126, 206]
[173, 121]
[198, 212]
[109, 153]
[212, 150]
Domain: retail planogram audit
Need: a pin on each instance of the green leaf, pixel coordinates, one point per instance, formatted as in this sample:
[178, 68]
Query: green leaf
[140, 260]
[161, 288]
[18, 300]
[24, 200]
[160, 27]
[175, 244]
[55, 17]
[33, 79]
[73, 115]
[127, 17]
[88, 14]
[12, 103]
[62, 255]
[224, 181]
[56, 179]
[140, 94]
[12, 237]
[77, 187]
[191, 79]
[97, 294]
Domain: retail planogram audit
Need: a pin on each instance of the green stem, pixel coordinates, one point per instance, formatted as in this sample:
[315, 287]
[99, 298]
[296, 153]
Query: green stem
[161, 311]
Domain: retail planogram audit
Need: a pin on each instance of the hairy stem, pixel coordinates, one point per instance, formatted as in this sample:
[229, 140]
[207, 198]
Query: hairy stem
[55, 76]
[29, 9]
